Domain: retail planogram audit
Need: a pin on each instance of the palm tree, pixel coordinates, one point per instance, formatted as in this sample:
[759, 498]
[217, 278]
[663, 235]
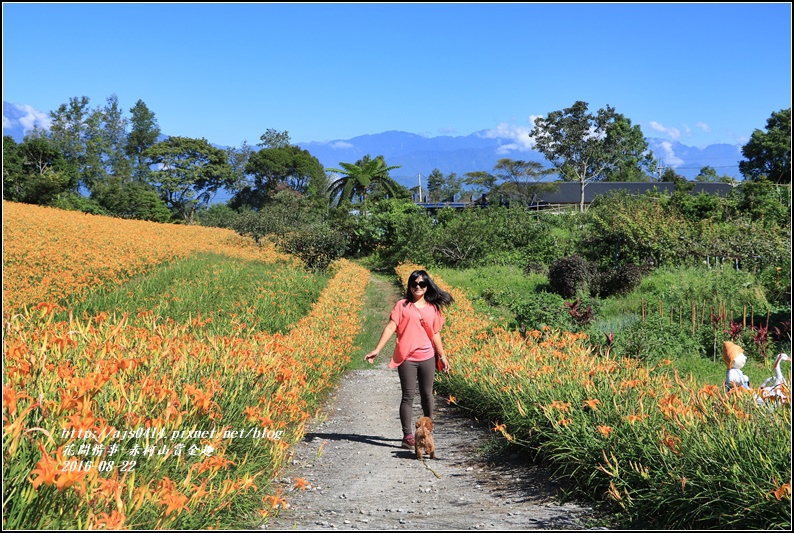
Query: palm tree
[361, 178]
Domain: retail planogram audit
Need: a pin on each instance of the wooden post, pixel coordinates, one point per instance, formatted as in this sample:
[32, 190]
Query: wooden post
[744, 317]
[752, 317]
[693, 318]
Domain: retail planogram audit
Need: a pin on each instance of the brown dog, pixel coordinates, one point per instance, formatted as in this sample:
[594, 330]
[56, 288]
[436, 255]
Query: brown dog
[423, 438]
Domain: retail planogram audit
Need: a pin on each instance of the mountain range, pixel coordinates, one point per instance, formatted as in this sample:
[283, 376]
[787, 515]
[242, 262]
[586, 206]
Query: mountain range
[418, 155]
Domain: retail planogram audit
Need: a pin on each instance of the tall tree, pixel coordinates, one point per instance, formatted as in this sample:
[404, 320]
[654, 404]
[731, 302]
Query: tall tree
[69, 133]
[35, 171]
[190, 171]
[238, 159]
[769, 153]
[483, 182]
[94, 170]
[114, 131]
[274, 139]
[584, 147]
[521, 180]
[358, 179]
[281, 166]
[435, 182]
[144, 132]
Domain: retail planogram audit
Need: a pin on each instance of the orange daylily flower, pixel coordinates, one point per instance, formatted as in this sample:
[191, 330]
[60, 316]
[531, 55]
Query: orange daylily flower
[276, 500]
[113, 521]
[592, 404]
[783, 490]
[604, 430]
[47, 470]
[300, 483]
[562, 406]
[174, 501]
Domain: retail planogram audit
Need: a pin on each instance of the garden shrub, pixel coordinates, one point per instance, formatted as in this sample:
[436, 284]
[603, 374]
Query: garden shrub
[316, 246]
[542, 309]
[570, 276]
[621, 281]
[653, 342]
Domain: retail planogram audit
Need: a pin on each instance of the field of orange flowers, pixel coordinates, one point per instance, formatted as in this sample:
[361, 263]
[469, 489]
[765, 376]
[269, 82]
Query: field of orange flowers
[663, 450]
[114, 422]
[50, 254]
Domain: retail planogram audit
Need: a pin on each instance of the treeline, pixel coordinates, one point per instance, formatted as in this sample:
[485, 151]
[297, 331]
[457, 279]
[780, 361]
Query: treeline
[99, 161]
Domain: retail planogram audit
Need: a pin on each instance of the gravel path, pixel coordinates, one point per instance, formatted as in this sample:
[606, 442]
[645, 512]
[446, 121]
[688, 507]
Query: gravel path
[360, 478]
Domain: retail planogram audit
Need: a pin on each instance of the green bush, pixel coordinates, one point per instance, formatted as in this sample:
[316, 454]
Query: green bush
[621, 281]
[542, 309]
[217, 216]
[652, 342]
[570, 276]
[316, 246]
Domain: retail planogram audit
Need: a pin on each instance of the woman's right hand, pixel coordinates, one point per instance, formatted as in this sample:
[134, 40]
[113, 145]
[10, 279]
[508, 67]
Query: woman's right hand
[370, 357]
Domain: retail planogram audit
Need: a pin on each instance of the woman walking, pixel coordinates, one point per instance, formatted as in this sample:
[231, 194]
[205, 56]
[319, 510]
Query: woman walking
[414, 353]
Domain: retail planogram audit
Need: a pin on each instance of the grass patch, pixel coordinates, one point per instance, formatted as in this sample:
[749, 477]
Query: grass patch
[220, 293]
[382, 293]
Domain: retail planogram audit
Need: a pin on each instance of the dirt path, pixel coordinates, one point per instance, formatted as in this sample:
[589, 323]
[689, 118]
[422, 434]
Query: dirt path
[359, 478]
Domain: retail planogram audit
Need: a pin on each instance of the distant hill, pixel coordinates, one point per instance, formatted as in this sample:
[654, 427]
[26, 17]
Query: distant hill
[420, 155]
[417, 155]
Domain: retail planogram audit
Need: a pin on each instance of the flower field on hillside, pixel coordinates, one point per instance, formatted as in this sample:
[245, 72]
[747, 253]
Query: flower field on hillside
[117, 421]
[50, 254]
[661, 449]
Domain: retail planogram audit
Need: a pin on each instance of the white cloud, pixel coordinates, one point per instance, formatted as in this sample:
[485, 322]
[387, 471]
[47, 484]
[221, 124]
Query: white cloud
[705, 127]
[668, 156]
[341, 145]
[674, 133]
[518, 135]
[30, 117]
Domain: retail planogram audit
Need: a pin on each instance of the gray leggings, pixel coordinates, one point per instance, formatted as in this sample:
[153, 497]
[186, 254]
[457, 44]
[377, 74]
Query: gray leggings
[408, 372]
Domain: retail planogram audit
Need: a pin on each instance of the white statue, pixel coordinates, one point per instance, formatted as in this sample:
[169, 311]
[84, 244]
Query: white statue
[776, 388]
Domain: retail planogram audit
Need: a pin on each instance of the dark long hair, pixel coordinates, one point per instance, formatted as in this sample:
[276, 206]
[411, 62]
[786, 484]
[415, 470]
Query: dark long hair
[433, 294]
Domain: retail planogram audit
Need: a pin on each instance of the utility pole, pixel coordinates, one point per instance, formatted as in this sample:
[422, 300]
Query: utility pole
[420, 187]
[659, 170]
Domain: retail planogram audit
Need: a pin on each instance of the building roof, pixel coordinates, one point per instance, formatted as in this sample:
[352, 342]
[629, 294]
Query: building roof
[570, 192]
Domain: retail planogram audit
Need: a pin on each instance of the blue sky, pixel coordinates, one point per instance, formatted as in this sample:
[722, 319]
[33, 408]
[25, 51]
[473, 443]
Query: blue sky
[697, 73]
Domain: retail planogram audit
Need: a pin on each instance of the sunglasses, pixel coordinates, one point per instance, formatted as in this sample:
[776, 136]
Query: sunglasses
[420, 284]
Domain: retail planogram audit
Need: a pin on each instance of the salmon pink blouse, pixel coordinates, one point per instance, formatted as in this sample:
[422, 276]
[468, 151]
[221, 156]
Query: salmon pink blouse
[413, 344]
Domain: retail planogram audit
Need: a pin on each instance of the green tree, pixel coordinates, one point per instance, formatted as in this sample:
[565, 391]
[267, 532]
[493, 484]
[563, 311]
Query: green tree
[584, 147]
[483, 182]
[93, 169]
[114, 132]
[521, 180]
[69, 134]
[12, 169]
[238, 159]
[131, 199]
[274, 139]
[272, 169]
[190, 171]
[35, 171]
[435, 182]
[358, 179]
[143, 134]
[769, 153]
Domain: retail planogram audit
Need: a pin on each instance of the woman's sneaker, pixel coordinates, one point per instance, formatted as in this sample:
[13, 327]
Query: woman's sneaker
[408, 442]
